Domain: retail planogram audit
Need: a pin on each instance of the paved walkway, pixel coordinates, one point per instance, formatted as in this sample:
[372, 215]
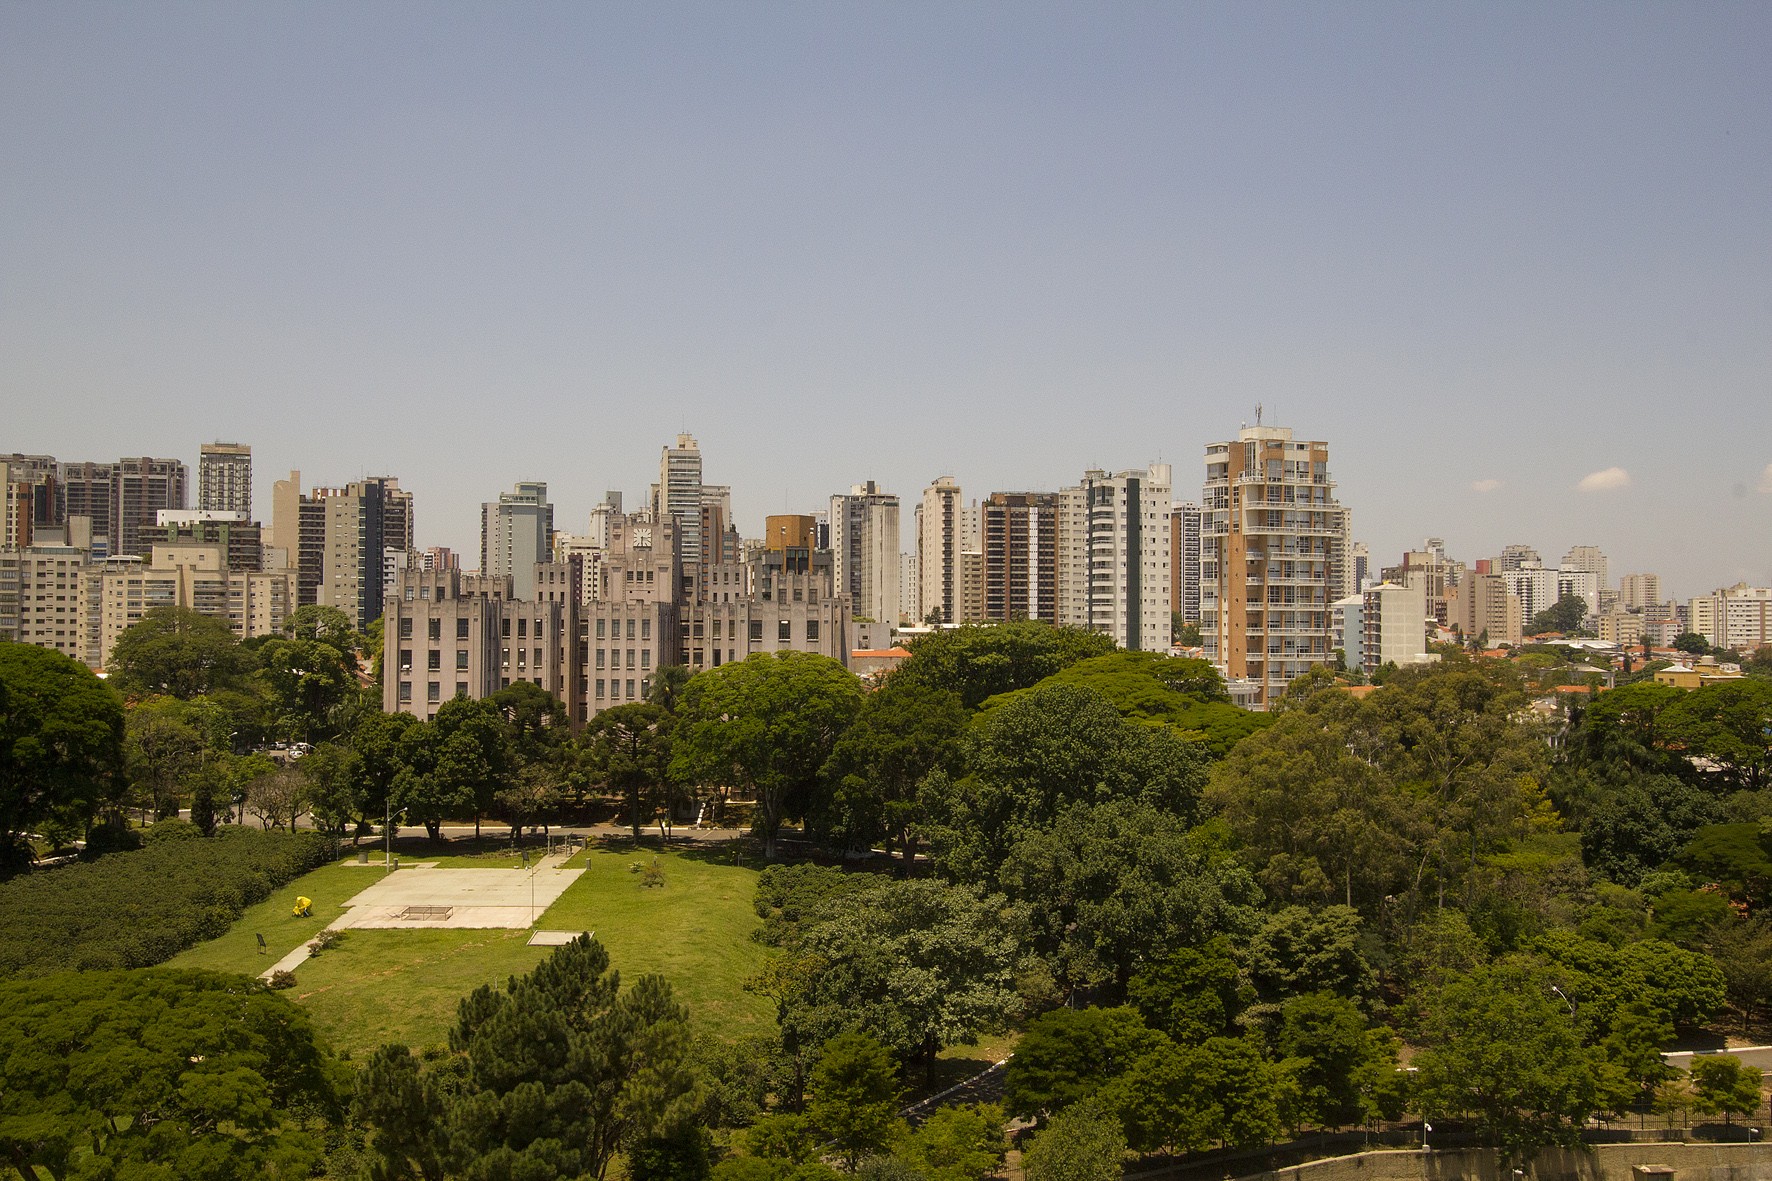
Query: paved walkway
[419, 899]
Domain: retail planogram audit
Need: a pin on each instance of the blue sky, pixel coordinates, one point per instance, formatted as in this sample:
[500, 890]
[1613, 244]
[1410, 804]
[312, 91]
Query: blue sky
[1484, 246]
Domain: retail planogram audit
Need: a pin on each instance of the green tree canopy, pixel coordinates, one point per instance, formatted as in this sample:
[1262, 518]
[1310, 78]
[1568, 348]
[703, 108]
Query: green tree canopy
[61, 745]
[1185, 694]
[917, 965]
[1502, 1049]
[1565, 616]
[177, 651]
[1082, 1143]
[1110, 886]
[328, 625]
[160, 1073]
[979, 661]
[1725, 1087]
[855, 1096]
[308, 681]
[556, 1073]
[1045, 749]
[767, 725]
[1068, 1054]
[1728, 723]
[628, 748]
[1221, 1091]
[904, 731]
[1193, 994]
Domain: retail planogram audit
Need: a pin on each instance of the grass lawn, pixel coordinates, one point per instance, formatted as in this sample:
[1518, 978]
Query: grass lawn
[379, 986]
[695, 931]
[237, 951]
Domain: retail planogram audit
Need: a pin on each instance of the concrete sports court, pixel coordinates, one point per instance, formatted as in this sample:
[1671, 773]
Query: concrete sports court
[424, 897]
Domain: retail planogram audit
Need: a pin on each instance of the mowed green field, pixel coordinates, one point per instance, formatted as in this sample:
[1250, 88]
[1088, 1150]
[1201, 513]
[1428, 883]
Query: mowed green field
[382, 986]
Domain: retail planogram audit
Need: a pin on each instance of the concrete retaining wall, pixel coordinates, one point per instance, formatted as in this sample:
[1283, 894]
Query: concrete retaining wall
[1604, 1162]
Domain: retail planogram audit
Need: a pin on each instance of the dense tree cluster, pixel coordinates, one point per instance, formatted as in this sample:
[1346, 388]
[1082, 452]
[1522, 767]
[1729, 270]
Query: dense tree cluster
[161, 1074]
[1210, 928]
[141, 908]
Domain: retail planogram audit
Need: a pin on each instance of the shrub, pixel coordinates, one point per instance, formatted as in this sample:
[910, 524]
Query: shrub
[139, 908]
[282, 978]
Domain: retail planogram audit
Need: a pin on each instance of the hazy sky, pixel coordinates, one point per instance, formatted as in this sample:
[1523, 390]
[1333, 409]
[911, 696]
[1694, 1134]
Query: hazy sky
[1487, 250]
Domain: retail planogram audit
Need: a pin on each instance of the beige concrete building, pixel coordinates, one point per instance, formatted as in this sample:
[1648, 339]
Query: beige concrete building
[1433, 572]
[239, 537]
[440, 640]
[1638, 592]
[1273, 557]
[41, 597]
[1624, 628]
[195, 577]
[1483, 610]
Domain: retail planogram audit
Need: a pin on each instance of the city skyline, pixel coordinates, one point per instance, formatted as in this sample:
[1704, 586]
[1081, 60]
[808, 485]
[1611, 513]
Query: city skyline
[1510, 262]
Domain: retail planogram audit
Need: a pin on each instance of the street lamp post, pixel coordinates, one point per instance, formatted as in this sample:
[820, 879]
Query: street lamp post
[387, 834]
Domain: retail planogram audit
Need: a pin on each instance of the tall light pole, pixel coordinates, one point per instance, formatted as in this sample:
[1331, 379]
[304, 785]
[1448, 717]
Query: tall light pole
[387, 834]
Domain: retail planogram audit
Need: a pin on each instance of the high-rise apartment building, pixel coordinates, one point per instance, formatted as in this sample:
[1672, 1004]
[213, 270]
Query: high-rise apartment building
[17, 508]
[36, 481]
[1484, 610]
[1638, 592]
[940, 538]
[143, 487]
[1021, 556]
[1433, 572]
[224, 478]
[1737, 617]
[678, 495]
[1588, 558]
[338, 541]
[1114, 556]
[864, 551]
[1184, 542]
[1273, 557]
[119, 498]
[515, 534]
[1516, 557]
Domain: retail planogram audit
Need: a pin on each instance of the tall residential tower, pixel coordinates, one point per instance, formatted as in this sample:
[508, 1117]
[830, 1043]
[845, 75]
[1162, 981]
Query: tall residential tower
[1273, 557]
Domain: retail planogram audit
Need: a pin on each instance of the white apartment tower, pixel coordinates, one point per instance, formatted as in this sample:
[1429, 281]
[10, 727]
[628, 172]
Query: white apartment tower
[940, 525]
[1273, 557]
[224, 478]
[1184, 539]
[1114, 573]
[864, 551]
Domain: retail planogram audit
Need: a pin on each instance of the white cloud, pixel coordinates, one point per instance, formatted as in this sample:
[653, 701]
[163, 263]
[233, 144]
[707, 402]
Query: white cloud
[1605, 481]
[1492, 485]
[1766, 480]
